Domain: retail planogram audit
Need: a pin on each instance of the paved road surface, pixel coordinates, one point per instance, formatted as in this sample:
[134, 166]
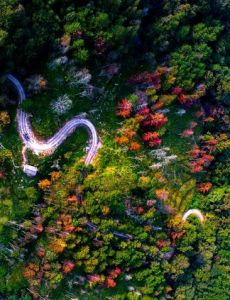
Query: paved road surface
[48, 146]
[195, 212]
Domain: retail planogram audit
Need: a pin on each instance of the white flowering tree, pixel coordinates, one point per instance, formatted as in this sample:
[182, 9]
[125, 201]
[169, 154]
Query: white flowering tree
[82, 77]
[162, 157]
[62, 105]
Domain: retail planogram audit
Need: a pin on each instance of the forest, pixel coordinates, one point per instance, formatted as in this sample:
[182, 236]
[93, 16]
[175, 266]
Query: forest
[114, 149]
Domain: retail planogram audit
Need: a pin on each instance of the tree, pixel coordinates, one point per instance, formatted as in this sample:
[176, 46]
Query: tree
[6, 159]
[99, 26]
[23, 31]
[124, 108]
[62, 105]
[4, 119]
[44, 184]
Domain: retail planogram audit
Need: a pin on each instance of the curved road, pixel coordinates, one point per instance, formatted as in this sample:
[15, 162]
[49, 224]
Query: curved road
[195, 212]
[47, 147]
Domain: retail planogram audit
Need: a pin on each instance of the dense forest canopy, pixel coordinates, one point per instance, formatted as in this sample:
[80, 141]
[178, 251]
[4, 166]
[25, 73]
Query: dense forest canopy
[148, 216]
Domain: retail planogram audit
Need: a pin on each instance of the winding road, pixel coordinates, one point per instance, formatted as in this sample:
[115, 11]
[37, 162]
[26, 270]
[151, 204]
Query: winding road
[46, 147]
[195, 212]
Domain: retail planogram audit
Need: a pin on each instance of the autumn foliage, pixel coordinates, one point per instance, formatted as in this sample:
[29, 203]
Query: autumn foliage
[152, 138]
[57, 245]
[44, 184]
[68, 266]
[162, 194]
[156, 119]
[72, 199]
[124, 108]
[110, 283]
[204, 187]
[29, 272]
[200, 158]
[122, 140]
[148, 136]
[134, 146]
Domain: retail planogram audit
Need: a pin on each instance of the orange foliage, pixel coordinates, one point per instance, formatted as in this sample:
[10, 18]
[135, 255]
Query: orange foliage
[209, 119]
[68, 266]
[41, 252]
[57, 246]
[29, 272]
[139, 210]
[66, 219]
[157, 106]
[116, 272]
[130, 133]
[212, 142]
[208, 158]
[183, 98]
[139, 118]
[55, 175]
[196, 168]
[37, 228]
[121, 140]
[147, 136]
[110, 283]
[162, 194]
[204, 187]
[78, 229]
[69, 228]
[177, 235]
[195, 152]
[124, 108]
[44, 184]
[72, 199]
[156, 120]
[124, 113]
[134, 146]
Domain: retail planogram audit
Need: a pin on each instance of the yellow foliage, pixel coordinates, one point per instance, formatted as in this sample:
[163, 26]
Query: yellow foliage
[105, 210]
[82, 253]
[154, 98]
[4, 119]
[90, 265]
[181, 198]
[171, 79]
[223, 142]
[57, 246]
[176, 222]
[150, 91]
[144, 182]
[167, 99]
